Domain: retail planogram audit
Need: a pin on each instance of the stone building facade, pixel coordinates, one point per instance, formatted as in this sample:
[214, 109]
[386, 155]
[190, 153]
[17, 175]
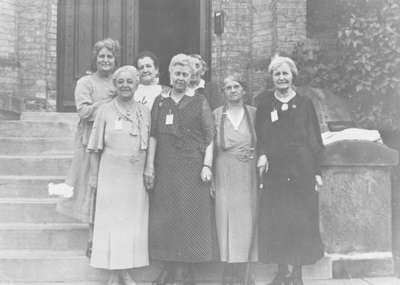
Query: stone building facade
[253, 31]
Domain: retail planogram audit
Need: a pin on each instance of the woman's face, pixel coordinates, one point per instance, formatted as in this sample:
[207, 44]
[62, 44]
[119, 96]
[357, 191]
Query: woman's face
[180, 77]
[126, 85]
[234, 91]
[282, 77]
[198, 70]
[105, 61]
[148, 72]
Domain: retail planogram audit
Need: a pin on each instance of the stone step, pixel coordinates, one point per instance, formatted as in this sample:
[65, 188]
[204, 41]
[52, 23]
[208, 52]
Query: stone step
[46, 266]
[67, 266]
[26, 186]
[48, 236]
[71, 118]
[63, 283]
[35, 146]
[34, 165]
[31, 210]
[359, 265]
[36, 129]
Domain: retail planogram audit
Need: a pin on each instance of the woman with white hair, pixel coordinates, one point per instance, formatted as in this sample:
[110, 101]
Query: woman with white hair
[180, 157]
[289, 142]
[117, 146]
[197, 83]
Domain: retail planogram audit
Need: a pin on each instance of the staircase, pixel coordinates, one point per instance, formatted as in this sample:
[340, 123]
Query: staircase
[37, 244]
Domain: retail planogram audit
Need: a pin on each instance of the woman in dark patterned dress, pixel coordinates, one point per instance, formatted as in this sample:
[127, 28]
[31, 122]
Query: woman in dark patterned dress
[180, 157]
[290, 143]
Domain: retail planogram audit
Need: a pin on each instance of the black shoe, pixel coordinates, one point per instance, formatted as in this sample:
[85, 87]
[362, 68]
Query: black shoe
[295, 281]
[296, 276]
[281, 279]
[163, 278]
[188, 276]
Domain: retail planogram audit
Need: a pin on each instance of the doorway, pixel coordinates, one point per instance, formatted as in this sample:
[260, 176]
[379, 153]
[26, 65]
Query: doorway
[165, 27]
[169, 27]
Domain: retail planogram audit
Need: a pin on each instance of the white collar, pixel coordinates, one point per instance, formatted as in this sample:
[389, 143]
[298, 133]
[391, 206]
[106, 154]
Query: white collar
[189, 93]
[292, 94]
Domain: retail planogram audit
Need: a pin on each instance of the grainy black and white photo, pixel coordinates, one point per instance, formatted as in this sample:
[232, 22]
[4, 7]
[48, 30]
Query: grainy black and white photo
[193, 142]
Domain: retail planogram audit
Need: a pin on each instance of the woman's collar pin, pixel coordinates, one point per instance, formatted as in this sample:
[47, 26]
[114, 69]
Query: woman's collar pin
[284, 107]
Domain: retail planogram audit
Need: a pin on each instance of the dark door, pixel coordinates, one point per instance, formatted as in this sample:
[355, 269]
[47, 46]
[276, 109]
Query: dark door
[81, 23]
[169, 27]
[165, 27]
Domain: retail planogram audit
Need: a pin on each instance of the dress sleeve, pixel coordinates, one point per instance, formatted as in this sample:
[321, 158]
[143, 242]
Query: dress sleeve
[84, 99]
[96, 140]
[259, 125]
[207, 122]
[154, 117]
[314, 135]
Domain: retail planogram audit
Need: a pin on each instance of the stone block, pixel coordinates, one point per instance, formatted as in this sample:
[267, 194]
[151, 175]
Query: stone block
[355, 209]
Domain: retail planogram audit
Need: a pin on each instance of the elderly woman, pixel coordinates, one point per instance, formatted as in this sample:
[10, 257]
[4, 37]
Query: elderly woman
[91, 92]
[235, 178]
[180, 157]
[149, 88]
[198, 85]
[118, 145]
[290, 144]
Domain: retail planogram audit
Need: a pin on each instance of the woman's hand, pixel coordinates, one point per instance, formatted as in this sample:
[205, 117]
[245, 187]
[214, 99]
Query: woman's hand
[262, 164]
[318, 182]
[93, 181]
[206, 173]
[148, 178]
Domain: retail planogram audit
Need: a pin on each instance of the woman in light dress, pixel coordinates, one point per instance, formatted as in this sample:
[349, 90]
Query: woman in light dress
[91, 92]
[117, 146]
[235, 180]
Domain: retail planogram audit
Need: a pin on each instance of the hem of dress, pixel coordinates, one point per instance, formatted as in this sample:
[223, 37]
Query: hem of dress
[299, 261]
[118, 267]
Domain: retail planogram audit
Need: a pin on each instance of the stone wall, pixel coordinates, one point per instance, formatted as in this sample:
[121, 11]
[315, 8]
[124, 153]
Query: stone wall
[8, 48]
[254, 30]
[36, 30]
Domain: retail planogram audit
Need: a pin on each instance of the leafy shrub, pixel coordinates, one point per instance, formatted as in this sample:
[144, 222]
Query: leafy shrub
[366, 68]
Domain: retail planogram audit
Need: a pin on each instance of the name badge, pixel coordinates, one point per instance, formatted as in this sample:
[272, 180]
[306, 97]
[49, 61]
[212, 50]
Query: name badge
[118, 124]
[274, 115]
[169, 119]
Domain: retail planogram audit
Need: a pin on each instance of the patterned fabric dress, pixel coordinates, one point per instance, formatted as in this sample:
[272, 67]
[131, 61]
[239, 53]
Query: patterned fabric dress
[89, 90]
[181, 210]
[235, 186]
[289, 135]
[120, 237]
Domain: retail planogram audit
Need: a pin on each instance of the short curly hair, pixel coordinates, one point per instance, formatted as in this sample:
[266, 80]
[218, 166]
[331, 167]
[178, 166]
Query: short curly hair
[110, 44]
[126, 68]
[277, 60]
[181, 60]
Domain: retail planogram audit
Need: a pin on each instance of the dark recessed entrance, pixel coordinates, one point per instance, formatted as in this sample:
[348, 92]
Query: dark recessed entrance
[169, 27]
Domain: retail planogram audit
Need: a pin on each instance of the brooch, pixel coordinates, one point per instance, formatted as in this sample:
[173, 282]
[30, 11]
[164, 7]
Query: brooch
[284, 107]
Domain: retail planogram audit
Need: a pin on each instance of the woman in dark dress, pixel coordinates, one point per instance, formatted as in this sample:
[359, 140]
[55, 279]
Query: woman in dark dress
[289, 146]
[180, 157]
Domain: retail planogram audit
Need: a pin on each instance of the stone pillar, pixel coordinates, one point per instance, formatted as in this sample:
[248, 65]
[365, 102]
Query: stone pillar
[355, 207]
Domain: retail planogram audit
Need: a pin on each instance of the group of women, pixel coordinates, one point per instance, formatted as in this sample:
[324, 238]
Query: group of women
[173, 173]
